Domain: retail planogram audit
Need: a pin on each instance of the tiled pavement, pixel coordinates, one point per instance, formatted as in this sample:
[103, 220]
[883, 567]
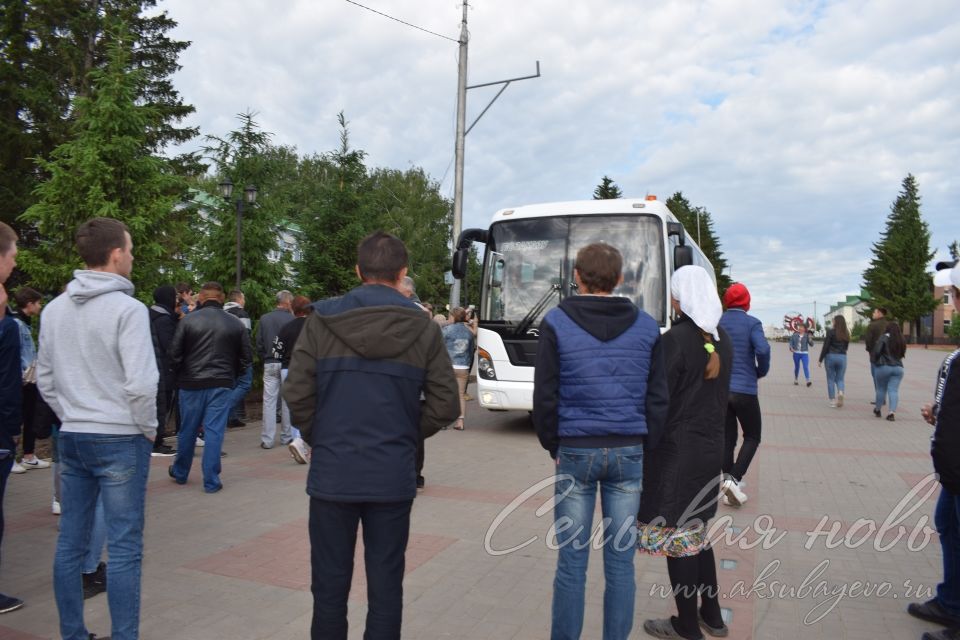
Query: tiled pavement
[235, 565]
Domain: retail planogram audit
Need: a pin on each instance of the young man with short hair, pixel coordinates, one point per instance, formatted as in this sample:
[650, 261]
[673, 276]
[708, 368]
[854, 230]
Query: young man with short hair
[97, 370]
[599, 397]
[29, 303]
[267, 329]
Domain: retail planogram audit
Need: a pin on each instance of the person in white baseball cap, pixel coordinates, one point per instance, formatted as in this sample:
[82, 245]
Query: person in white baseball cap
[948, 274]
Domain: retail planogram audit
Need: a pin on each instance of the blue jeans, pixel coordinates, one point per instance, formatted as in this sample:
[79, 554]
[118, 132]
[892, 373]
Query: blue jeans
[804, 359]
[836, 366]
[98, 537]
[209, 407]
[111, 468]
[888, 385]
[619, 473]
[946, 517]
[239, 392]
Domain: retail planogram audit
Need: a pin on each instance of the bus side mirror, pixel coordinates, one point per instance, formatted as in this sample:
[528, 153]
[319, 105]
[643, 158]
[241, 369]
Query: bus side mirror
[682, 256]
[496, 274]
[460, 259]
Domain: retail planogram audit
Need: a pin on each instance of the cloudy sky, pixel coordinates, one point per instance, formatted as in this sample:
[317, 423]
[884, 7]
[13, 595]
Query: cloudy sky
[792, 122]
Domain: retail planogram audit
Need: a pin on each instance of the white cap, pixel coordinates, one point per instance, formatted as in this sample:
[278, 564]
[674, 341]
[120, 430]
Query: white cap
[947, 277]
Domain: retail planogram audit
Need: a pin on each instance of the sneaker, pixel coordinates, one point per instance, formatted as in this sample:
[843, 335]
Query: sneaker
[833, 404]
[236, 423]
[726, 501]
[717, 632]
[795, 383]
[299, 451]
[200, 442]
[876, 413]
[163, 451]
[55, 507]
[18, 468]
[809, 383]
[94, 636]
[839, 399]
[96, 582]
[263, 445]
[890, 417]
[35, 463]
[943, 634]
[731, 489]
[9, 603]
[931, 611]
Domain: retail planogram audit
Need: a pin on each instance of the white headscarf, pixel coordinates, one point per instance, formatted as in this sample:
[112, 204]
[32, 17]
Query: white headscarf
[693, 288]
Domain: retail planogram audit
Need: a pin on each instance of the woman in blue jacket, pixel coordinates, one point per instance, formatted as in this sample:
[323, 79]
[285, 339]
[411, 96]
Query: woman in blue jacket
[800, 343]
[460, 343]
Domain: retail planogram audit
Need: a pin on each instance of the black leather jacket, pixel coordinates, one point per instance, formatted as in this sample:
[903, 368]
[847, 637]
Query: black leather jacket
[209, 349]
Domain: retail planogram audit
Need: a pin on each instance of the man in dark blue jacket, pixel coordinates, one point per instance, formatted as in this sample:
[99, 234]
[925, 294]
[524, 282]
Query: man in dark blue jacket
[353, 388]
[600, 394]
[751, 361]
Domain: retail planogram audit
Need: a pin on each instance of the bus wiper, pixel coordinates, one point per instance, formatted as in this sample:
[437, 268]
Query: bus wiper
[537, 309]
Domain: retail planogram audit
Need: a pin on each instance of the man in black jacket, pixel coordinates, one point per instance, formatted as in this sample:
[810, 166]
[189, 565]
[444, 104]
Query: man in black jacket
[944, 414]
[163, 325]
[209, 350]
[354, 385]
[878, 324]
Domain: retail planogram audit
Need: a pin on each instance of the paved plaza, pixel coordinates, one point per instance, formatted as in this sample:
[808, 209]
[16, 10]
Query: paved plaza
[235, 565]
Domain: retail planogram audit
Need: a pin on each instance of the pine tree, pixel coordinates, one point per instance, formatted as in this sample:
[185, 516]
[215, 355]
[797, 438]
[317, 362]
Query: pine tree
[107, 169]
[690, 217]
[607, 190]
[897, 277]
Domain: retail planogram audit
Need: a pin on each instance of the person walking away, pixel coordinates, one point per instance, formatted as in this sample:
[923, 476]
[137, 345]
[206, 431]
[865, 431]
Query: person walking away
[163, 324]
[283, 345]
[800, 343]
[97, 371]
[751, 361]
[236, 302]
[876, 328]
[460, 343]
[267, 330]
[888, 354]
[354, 385]
[11, 383]
[680, 482]
[834, 353]
[29, 303]
[599, 394]
[209, 350]
[944, 415]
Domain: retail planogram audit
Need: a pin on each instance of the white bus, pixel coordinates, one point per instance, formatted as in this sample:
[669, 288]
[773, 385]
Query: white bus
[528, 269]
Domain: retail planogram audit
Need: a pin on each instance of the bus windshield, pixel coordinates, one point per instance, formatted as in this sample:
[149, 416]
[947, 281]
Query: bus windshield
[529, 264]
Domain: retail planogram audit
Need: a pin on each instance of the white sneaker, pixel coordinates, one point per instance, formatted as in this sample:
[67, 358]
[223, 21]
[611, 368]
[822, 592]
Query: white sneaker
[18, 468]
[299, 451]
[732, 492]
[833, 404]
[726, 501]
[35, 463]
[55, 508]
[839, 399]
[199, 442]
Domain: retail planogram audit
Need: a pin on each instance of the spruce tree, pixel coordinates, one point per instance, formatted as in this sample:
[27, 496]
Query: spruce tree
[897, 277]
[607, 190]
[690, 216]
[107, 169]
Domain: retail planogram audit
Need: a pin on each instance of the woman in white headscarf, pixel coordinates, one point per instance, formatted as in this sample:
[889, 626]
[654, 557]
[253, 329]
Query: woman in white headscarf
[681, 478]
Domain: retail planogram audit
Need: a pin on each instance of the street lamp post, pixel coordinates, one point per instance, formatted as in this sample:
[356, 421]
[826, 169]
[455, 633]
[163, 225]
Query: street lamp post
[250, 194]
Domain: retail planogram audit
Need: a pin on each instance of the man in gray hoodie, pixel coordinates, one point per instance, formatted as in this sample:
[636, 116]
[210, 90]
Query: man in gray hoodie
[97, 371]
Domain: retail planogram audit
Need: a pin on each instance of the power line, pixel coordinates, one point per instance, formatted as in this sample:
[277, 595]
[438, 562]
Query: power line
[439, 35]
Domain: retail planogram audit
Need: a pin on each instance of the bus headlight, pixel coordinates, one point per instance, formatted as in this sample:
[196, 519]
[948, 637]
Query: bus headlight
[485, 365]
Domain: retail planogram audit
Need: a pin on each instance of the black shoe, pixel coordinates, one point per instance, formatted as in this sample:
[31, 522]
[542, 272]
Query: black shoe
[163, 451]
[9, 603]
[173, 477]
[223, 454]
[943, 634]
[890, 417]
[931, 611]
[421, 482]
[809, 383]
[94, 636]
[236, 423]
[876, 413]
[96, 582]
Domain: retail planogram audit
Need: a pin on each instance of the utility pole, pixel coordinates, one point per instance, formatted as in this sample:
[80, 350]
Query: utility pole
[458, 162]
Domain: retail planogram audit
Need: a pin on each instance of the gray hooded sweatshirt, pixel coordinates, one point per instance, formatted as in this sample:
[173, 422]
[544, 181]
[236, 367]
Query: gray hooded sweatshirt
[96, 366]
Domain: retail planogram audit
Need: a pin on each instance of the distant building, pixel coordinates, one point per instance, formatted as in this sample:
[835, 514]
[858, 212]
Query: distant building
[852, 309]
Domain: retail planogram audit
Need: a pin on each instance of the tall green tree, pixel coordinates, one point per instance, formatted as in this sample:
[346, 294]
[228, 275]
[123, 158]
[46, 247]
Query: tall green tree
[246, 156]
[607, 190]
[897, 277]
[954, 249]
[107, 169]
[699, 226]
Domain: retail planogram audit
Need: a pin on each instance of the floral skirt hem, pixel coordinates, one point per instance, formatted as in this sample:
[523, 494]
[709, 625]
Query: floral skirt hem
[671, 542]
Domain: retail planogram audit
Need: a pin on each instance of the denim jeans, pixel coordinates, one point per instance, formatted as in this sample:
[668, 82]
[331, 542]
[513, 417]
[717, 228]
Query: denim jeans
[239, 392]
[836, 366]
[209, 407]
[804, 359]
[333, 539]
[98, 537]
[888, 385]
[946, 517]
[271, 393]
[111, 468]
[619, 473]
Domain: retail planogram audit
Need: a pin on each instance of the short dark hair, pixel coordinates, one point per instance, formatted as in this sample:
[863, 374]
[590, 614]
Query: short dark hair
[184, 287]
[98, 237]
[213, 285]
[599, 266]
[235, 295]
[8, 238]
[381, 256]
[26, 295]
[300, 305]
[882, 310]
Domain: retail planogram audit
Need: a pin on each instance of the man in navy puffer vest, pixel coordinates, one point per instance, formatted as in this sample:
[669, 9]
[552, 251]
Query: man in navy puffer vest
[600, 395]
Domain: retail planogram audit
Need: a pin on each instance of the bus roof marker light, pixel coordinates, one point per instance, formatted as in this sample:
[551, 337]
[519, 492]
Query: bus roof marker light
[639, 205]
[650, 197]
[508, 212]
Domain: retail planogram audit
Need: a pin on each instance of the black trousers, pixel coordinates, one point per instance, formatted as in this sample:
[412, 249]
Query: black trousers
[745, 409]
[333, 540]
[691, 577]
[29, 405]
